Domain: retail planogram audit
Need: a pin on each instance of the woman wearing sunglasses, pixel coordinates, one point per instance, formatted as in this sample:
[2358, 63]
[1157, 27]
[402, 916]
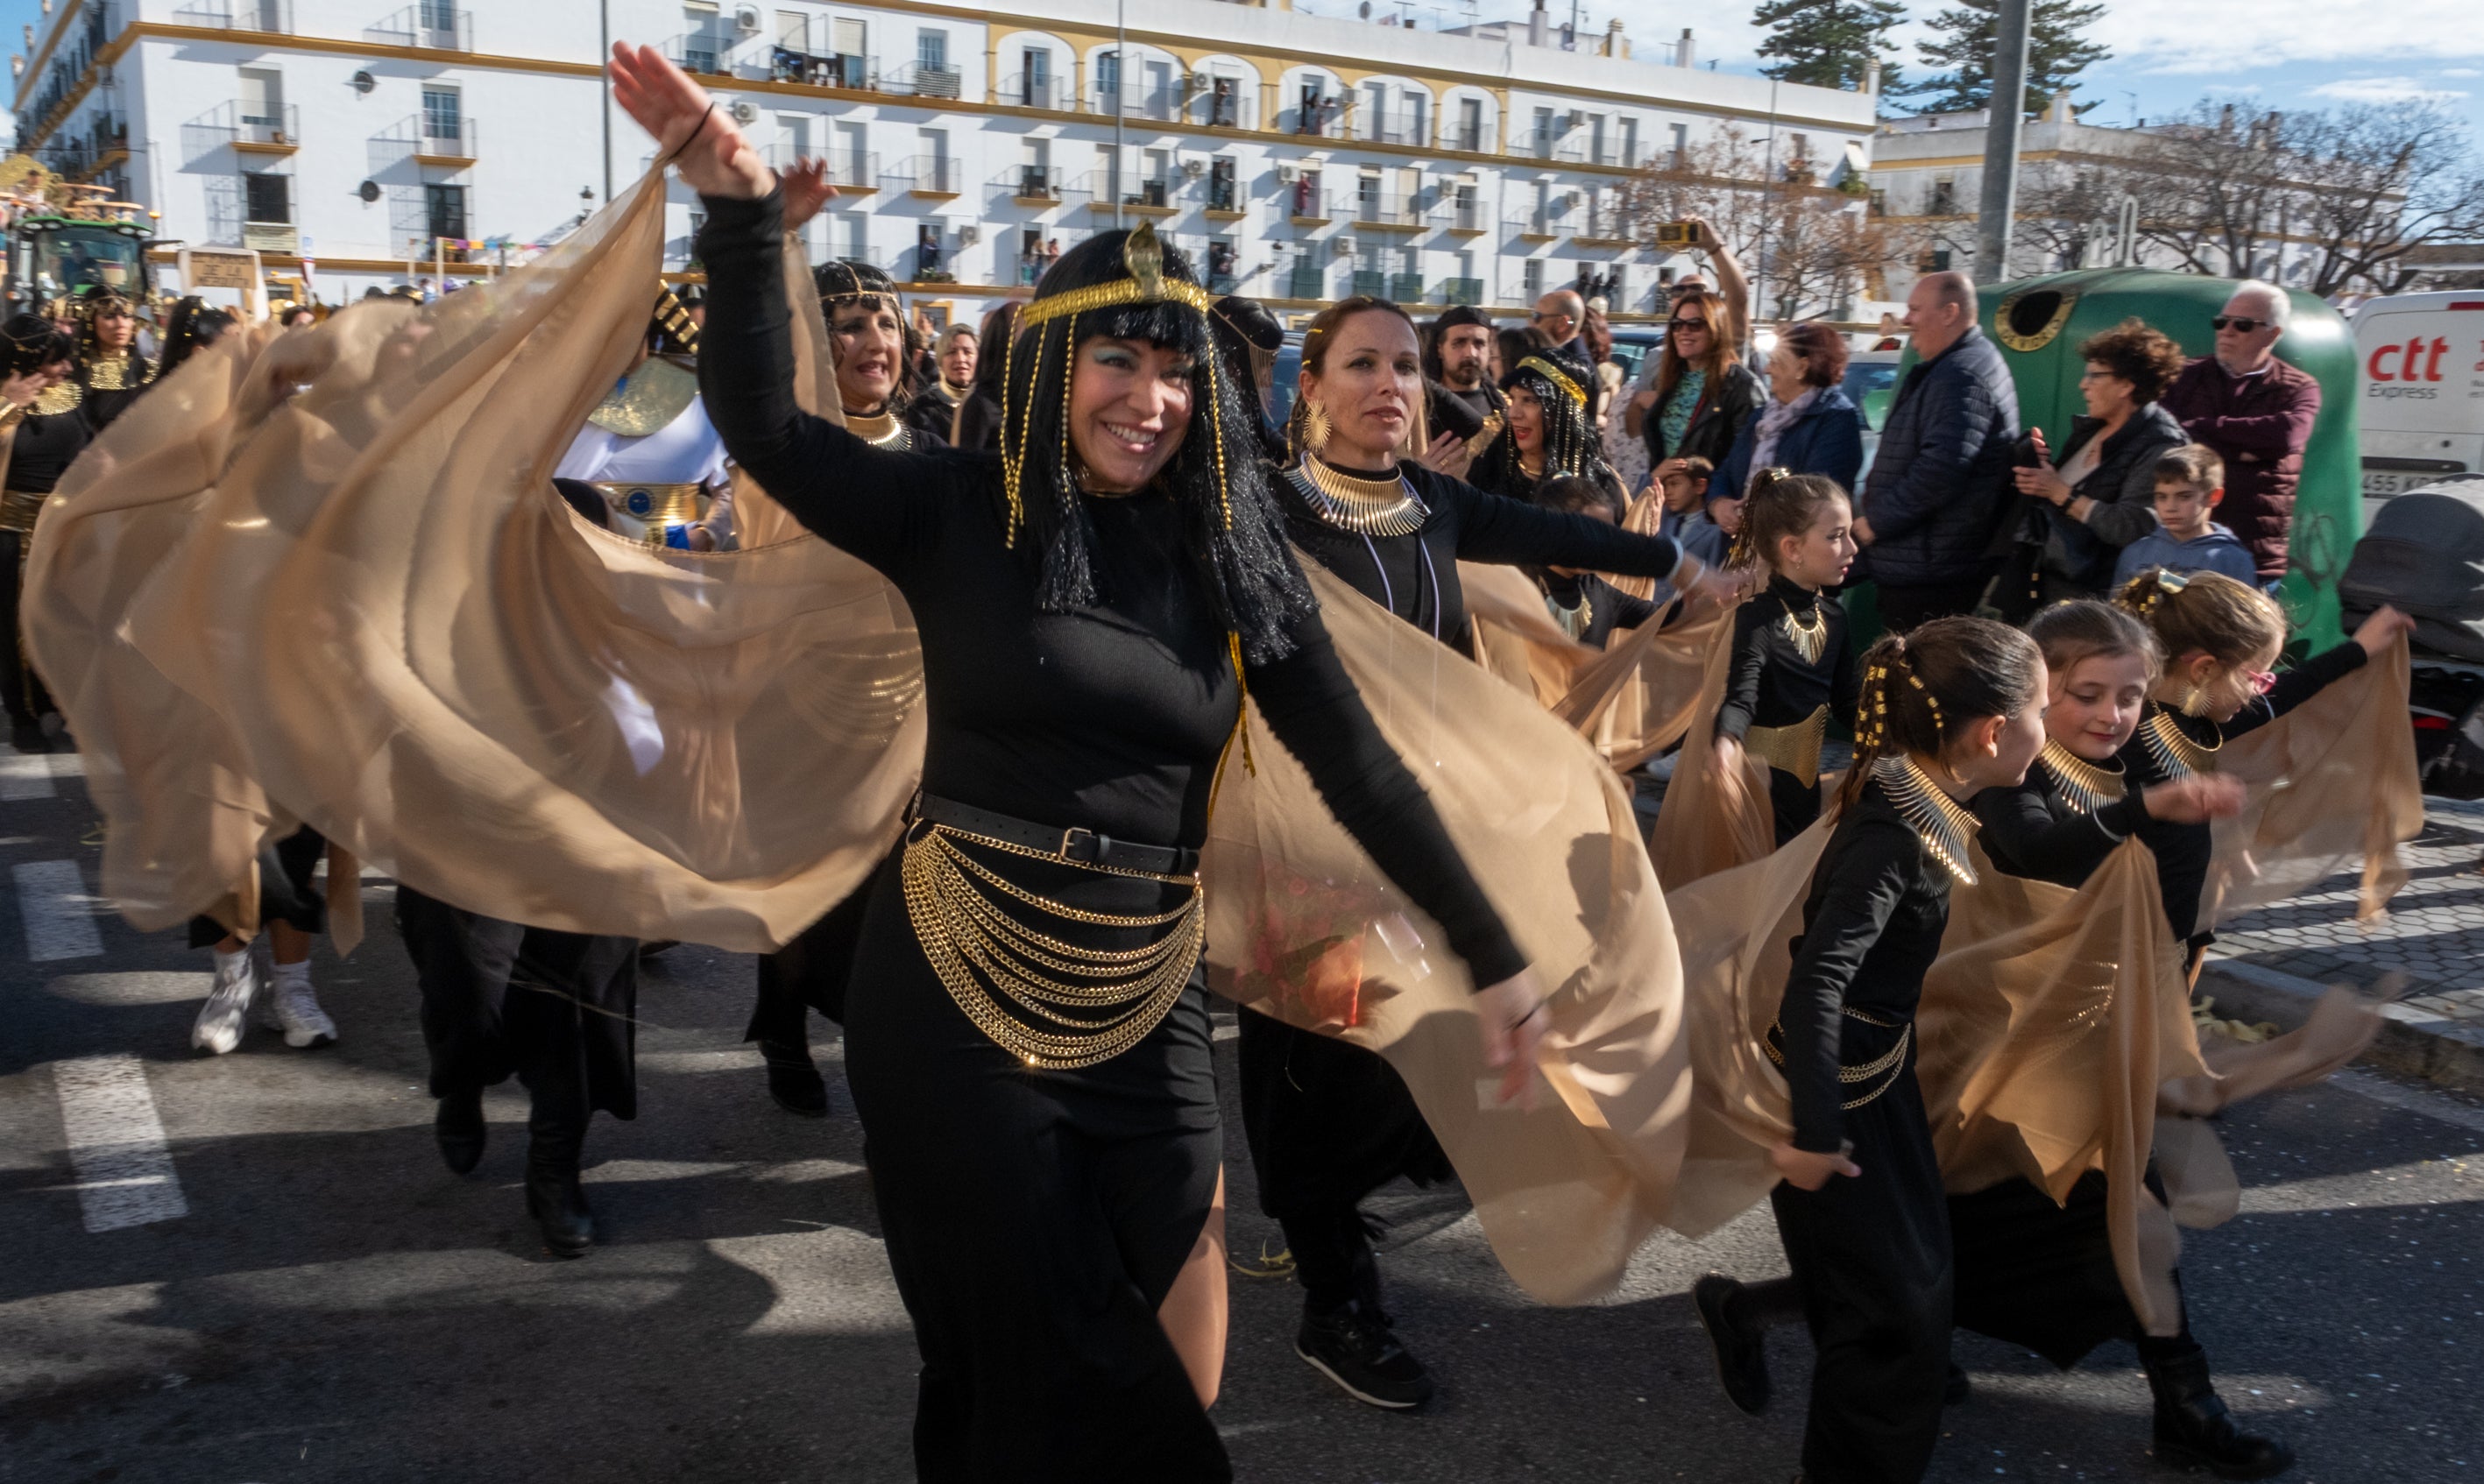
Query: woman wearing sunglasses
[2256, 412]
[1702, 396]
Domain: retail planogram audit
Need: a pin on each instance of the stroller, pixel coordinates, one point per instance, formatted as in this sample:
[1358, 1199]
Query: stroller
[2425, 553]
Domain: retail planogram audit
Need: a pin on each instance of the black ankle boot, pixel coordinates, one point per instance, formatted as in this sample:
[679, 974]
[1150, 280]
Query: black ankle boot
[458, 1125]
[554, 1196]
[1740, 1346]
[2194, 1430]
[794, 1080]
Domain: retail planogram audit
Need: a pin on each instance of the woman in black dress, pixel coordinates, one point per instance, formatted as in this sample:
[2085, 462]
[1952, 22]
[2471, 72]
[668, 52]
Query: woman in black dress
[1027, 1030]
[1948, 711]
[1329, 1122]
[43, 430]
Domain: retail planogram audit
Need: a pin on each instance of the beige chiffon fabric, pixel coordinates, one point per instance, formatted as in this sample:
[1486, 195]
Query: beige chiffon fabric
[1712, 822]
[1631, 699]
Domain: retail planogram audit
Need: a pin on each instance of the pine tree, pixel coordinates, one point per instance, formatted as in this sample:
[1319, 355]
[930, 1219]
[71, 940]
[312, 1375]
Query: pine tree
[2057, 52]
[1828, 44]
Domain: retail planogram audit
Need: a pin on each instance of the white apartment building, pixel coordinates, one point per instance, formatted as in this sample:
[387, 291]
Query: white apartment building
[1296, 157]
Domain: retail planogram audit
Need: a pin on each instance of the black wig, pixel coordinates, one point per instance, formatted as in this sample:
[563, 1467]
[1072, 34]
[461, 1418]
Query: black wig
[1237, 535]
[1571, 445]
[194, 324]
[35, 341]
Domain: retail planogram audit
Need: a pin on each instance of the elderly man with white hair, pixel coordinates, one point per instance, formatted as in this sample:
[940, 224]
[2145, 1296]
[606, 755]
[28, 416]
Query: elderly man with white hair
[2256, 412]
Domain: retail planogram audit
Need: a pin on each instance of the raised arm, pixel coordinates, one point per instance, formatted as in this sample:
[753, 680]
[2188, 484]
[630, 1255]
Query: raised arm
[2024, 838]
[1511, 533]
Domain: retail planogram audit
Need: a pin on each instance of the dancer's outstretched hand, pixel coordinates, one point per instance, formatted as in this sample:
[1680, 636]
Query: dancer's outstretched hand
[719, 161]
[1512, 1015]
[806, 190]
[1804, 1170]
[2382, 629]
[2193, 801]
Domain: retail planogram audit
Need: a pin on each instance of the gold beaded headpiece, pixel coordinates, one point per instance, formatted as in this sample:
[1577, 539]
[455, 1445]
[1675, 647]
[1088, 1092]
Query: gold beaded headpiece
[2167, 582]
[1871, 713]
[1560, 379]
[1143, 254]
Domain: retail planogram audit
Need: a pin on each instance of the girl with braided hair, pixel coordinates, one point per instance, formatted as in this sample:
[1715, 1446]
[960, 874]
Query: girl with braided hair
[1026, 1023]
[1953, 709]
[1793, 671]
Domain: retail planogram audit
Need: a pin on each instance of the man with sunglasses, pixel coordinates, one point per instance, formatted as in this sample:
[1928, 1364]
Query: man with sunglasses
[2256, 412]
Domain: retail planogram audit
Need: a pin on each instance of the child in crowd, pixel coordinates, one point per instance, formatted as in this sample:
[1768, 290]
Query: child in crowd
[2221, 638]
[1952, 709]
[1677, 506]
[1588, 608]
[2190, 481]
[1793, 669]
[2030, 1271]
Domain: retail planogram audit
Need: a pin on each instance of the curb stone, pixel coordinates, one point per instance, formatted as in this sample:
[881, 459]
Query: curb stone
[2413, 1040]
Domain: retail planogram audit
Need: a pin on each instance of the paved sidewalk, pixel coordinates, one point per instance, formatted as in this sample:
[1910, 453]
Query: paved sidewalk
[2266, 963]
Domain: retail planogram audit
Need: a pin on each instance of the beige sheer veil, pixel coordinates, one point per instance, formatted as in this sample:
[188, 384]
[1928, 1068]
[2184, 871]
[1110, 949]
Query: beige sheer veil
[1631, 699]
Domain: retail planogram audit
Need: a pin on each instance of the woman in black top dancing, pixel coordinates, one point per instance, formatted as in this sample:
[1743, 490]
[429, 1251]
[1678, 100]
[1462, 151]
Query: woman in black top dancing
[1027, 1028]
[43, 431]
[1329, 1122]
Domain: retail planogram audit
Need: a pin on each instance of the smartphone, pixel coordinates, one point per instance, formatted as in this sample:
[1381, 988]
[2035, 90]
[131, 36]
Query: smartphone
[1675, 234]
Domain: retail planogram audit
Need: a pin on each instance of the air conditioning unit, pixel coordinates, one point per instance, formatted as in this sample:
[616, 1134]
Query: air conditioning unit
[744, 110]
[1287, 175]
[968, 234]
[1193, 168]
[1577, 116]
[1344, 245]
[1201, 82]
[747, 20]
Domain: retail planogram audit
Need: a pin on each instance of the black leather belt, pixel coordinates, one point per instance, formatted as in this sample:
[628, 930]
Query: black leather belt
[1077, 843]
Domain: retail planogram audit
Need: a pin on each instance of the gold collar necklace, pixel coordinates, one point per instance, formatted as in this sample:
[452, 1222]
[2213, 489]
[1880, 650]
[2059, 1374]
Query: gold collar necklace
[1940, 821]
[2086, 787]
[1367, 507]
[2175, 750]
[1809, 640]
[880, 429]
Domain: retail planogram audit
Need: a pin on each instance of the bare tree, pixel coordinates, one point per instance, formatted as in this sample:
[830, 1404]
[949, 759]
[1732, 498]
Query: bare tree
[2379, 182]
[2211, 187]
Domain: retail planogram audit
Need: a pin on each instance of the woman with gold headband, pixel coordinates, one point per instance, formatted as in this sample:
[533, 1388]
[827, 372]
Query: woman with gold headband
[1027, 1032]
[1329, 1122]
[874, 355]
[1547, 436]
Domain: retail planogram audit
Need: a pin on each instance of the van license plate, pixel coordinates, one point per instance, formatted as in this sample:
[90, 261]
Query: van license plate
[2380, 484]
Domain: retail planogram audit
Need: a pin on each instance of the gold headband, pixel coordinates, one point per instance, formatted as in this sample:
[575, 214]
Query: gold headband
[1143, 255]
[1555, 374]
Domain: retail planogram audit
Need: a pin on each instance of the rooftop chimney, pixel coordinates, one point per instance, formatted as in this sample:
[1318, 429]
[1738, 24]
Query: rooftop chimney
[1688, 55]
[1539, 26]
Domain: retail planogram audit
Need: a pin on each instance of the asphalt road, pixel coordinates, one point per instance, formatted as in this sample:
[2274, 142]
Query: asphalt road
[289, 1285]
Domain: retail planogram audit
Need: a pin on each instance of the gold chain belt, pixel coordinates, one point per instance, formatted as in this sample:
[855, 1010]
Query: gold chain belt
[19, 508]
[971, 938]
[1790, 749]
[1889, 1065]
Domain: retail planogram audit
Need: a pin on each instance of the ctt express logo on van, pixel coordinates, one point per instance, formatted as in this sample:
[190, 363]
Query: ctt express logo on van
[2399, 370]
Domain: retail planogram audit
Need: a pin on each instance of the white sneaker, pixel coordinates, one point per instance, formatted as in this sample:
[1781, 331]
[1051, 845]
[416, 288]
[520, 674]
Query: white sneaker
[295, 1010]
[219, 1026]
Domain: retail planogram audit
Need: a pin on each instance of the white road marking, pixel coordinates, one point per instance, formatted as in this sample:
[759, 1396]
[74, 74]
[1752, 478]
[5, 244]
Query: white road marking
[2390, 1095]
[24, 775]
[52, 897]
[116, 1142]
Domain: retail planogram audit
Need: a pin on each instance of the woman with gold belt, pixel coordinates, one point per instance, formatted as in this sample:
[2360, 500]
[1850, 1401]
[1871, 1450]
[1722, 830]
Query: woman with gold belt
[1027, 1032]
[42, 433]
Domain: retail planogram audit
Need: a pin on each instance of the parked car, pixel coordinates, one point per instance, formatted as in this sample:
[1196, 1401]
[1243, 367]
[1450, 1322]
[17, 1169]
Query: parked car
[1872, 384]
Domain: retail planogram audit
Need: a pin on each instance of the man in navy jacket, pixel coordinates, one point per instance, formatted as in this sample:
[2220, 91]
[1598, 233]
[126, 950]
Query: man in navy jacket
[1939, 486]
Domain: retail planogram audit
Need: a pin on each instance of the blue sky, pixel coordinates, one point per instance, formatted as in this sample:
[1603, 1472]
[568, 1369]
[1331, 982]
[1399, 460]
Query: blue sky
[2285, 54]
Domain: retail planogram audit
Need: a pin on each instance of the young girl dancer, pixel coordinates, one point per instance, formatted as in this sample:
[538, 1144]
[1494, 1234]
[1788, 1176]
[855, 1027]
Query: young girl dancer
[2032, 1272]
[1951, 710]
[2220, 640]
[1793, 669]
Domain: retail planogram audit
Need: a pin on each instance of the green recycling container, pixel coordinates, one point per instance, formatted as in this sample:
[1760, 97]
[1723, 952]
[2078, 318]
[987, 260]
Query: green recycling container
[2039, 323]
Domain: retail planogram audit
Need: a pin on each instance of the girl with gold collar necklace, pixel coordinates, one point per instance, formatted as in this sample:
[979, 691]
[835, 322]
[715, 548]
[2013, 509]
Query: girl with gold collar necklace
[1026, 1022]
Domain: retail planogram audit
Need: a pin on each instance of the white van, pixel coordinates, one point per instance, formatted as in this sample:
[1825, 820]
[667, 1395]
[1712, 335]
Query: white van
[2420, 360]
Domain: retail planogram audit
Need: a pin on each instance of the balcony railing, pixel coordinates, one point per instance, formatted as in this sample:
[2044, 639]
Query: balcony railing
[1466, 216]
[927, 175]
[274, 17]
[1324, 120]
[786, 65]
[1541, 225]
[918, 80]
[1038, 90]
[1462, 290]
[853, 172]
[431, 27]
[1383, 208]
[1236, 107]
[445, 141]
[276, 129]
[1307, 279]
[1474, 139]
[701, 54]
[1406, 288]
[1394, 126]
[1224, 194]
[1607, 226]
[1031, 185]
[1304, 201]
[1370, 282]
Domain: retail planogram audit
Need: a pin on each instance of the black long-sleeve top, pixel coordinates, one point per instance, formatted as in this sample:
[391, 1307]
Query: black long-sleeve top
[43, 448]
[1609, 607]
[2031, 830]
[101, 406]
[1112, 717]
[1466, 523]
[1870, 928]
[1772, 684]
[2182, 850]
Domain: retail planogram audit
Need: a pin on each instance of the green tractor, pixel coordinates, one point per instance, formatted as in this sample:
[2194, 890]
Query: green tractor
[65, 236]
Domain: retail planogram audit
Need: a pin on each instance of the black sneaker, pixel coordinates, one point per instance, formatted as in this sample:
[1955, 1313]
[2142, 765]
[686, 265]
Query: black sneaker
[1741, 1350]
[1955, 1390]
[1354, 1347]
[794, 1079]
